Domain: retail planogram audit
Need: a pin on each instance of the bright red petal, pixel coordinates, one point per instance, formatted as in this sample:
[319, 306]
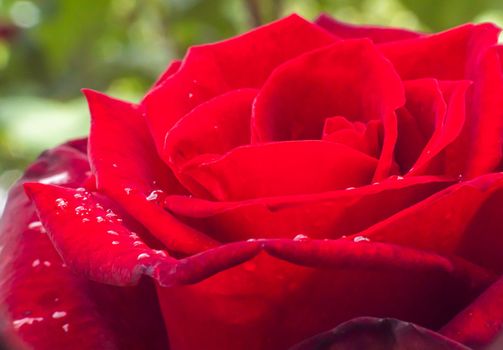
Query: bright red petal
[241, 62]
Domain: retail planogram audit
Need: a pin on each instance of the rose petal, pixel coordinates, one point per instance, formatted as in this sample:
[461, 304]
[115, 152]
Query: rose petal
[375, 33]
[281, 168]
[242, 304]
[462, 219]
[321, 215]
[128, 170]
[214, 127]
[450, 55]
[302, 93]
[379, 334]
[49, 307]
[241, 62]
[485, 122]
[449, 114]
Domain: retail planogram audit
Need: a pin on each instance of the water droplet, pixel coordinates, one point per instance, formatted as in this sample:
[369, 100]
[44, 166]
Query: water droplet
[27, 320]
[80, 210]
[112, 232]
[84, 220]
[47, 263]
[80, 189]
[114, 165]
[100, 219]
[300, 237]
[191, 95]
[154, 195]
[58, 314]
[78, 196]
[137, 243]
[115, 242]
[127, 190]
[360, 239]
[61, 203]
[161, 253]
[376, 183]
[399, 177]
[143, 256]
[35, 225]
[251, 240]
[133, 235]
[350, 188]
[99, 206]
[35, 263]
[65, 327]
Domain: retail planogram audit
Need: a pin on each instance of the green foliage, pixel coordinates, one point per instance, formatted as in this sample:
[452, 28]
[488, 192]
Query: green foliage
[120, 46]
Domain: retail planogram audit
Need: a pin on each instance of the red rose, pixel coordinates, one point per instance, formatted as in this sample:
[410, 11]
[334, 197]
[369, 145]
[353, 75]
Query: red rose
[299, 178]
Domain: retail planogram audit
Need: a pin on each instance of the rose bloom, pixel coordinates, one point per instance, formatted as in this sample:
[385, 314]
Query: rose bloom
[301, 186]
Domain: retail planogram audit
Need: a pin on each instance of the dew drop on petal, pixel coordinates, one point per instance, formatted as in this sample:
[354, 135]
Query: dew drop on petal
[47, 263]
[61, 203]
[35, 263]
[115, 242]
[360, 239]
[27, 320]
[65, 327]
[300, 237]
[112, 232]
[350, 188]
[58, 314]
[35, 225]
[100, 219]
[143, 256]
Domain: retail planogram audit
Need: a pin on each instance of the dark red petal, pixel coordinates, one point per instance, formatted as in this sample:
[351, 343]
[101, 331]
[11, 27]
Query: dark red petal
[379, 334]
[129, 171]
[481, 322]
[214, 127]
[463, 219]
[281, 168]
[51, 308]
[450, 55]
[302, 93]
[322, 215]
[241, 62]
[344, 280]
[375, 33]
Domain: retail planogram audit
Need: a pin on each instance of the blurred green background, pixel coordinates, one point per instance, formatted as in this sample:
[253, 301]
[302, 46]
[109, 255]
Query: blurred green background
[50, 49]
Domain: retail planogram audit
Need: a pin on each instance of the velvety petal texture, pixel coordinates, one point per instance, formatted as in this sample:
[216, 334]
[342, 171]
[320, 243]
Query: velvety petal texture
[302, 186]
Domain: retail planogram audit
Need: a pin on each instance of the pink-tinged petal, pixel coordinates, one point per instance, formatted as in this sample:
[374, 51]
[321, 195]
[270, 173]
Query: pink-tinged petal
[352, 31]
[348, 279]
[321, 215]
[129, 171]
[241, 62]
[463, 219]
[281, 168]
[214, 127]
[379, 334]
[173, 67]
[485, 122]
[449, 122]
[48, 306]
[302, 93]
[450, 55]
[481, 323]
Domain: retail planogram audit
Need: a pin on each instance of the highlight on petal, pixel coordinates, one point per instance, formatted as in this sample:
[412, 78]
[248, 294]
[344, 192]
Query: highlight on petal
[281, 168]
[241, 62]
[129, 171]
[450, 55]
[376, 33]
[48, 306]
[379, 333]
